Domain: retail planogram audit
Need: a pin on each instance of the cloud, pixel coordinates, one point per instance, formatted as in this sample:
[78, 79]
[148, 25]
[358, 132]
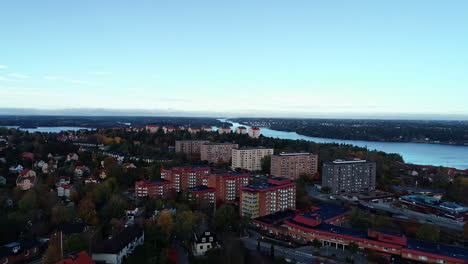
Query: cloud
[19, 76]
[4, 79]
[67, 80]
[2, 67]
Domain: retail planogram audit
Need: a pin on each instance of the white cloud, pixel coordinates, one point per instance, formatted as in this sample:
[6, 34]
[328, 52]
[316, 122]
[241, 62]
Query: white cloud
[4, 79]
[2, 67]
[67, 80]
[19, 76]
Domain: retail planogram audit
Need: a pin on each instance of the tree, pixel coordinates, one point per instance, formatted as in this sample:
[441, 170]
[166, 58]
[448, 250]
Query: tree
[224, 218]
[165, 222]
[266, 164]
[53, 252]
[87, 211]
[115, 207]
[429, 232]
[353, 247]
[185, 221]
[316, 243]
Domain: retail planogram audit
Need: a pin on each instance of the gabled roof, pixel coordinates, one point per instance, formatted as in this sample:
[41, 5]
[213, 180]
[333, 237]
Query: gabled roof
[79, 258]
[121, 240]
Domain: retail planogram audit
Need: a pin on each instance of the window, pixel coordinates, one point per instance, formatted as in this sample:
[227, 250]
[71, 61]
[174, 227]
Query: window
[422, 257]
[203, 240]
[201, 247]
[211, 239]
[440, 261]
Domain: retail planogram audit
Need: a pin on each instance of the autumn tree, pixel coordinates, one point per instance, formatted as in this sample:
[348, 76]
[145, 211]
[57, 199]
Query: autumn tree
[87, 211]
[165, 222]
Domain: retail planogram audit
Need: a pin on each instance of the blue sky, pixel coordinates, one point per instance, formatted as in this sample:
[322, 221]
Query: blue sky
[270, 58]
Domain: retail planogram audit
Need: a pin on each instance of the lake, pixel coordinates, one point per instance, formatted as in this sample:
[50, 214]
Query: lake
[49, 129]
[416, 153]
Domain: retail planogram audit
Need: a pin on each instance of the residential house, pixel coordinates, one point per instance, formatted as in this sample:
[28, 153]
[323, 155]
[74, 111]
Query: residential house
[204, 241]
[129, 165]
[254, 132]
[81, 170]
[207, 128]
[28, 155]
[20, 251]
[223, 130]
[26, 179]
[72, 157]
[169, 129]
[62, 180]
[90, 179]
[194, 130]
[64, 190]
[40, 164]
[241, 130]
[16, 169]
[119, 247]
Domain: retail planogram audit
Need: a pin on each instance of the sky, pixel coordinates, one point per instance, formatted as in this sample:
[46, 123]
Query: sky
[237, 58]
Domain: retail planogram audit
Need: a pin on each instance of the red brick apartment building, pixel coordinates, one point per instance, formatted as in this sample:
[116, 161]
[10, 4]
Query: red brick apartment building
[203, 196]
[185, 177]
[321, 224]
[276, 194]
[291, 165]
[189, 146]
[157, 188]
[227, 184]
[215, 152]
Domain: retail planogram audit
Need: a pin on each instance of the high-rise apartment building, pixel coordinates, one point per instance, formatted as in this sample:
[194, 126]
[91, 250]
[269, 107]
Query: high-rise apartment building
[215, 152]
[183, 178]
[349, 176]
[277, 194]
[227, 184]
[249, 158]
[292, 165]
[156, 188]
[189, 146]
[254, 132]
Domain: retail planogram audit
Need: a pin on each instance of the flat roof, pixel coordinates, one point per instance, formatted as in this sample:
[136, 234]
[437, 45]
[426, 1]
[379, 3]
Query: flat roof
[251, 148]
[439, 249]
[417, 189]
[201, 188]
[327, 211]
[294, 154]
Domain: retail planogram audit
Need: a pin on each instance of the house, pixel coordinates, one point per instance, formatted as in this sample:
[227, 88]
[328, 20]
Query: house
[26, 179]
[64, 190]
[81, 170]
[40, 164]
[203, 241]
[78, 258]
[49, 167]
[224, 130]
[2, 180]
[90, 179]
[20, 251]
[72, 157]
[129, 165]
[16, 169]
[28, 155]
[119, 247]
[63, 180]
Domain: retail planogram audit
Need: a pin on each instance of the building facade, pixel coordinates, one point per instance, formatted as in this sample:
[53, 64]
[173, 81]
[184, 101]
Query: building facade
[223, 130]
[185, 177]
[189, 146]
[156, 188]
[215, 152]
[254, 132]
[292, 165]
[349, 176]
[203, 196]
[275, 195]
[249, 158]
[241, 130]
[227, 185]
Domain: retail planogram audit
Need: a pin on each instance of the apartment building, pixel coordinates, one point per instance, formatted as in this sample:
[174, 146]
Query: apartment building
[292, 165]
[249, 158]
[156, 188]
[241, 130]
[224, 130]
[349, 176]
[189, 146]
[227, 184]
[203, 196]
[254, 132]
[215, 152]
[185, 177]
[276, 194]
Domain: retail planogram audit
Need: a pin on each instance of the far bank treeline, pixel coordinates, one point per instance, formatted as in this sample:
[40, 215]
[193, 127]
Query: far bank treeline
[431, 131]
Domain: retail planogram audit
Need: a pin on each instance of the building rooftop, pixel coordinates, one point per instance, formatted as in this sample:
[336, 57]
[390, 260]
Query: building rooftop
[294, 154]
[276, 218]
[348, 161]
[121, 240]
[435, 248]
[201, 188]
[417, 189]
[252, 148]
[327, 211]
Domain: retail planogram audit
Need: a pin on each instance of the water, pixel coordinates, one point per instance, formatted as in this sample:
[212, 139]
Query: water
[416, 153]
[49, 129]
